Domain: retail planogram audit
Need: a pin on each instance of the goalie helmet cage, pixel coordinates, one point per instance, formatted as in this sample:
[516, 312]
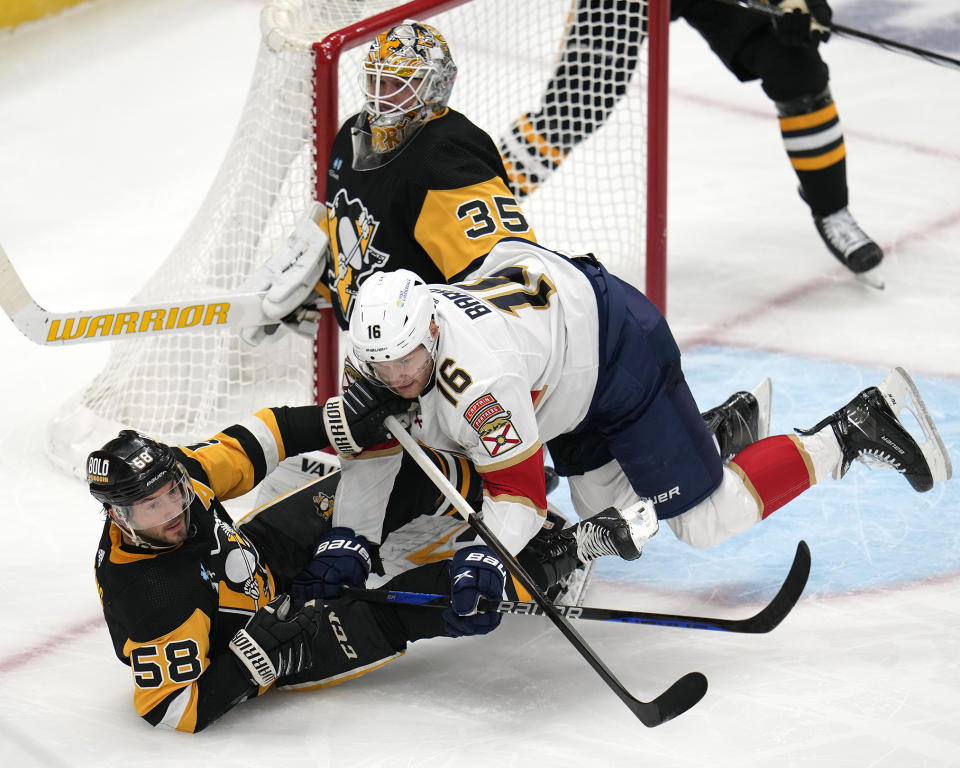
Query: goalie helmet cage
[608, 197]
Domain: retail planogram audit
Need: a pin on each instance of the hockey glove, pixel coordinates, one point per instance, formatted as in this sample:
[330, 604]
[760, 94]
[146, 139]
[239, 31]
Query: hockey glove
[475, 572]
[354, 420]
[276, 643]
[341, 557]
[289, 276]
[803, 21]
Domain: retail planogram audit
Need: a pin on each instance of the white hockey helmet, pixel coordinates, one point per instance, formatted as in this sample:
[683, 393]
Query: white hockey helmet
[406, 80]
[392, 320]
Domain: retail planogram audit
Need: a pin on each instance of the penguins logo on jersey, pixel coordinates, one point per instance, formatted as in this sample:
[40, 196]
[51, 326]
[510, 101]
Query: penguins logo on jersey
[324, 504]
[351, 229]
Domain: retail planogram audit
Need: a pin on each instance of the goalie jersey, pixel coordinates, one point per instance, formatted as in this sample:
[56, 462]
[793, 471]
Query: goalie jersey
[436, 209]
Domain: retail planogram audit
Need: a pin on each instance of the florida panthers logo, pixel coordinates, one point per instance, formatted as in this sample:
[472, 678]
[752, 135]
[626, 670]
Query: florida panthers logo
[351, 229]
[492, 422]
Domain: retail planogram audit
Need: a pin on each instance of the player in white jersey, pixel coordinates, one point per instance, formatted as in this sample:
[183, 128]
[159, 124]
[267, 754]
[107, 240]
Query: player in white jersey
[549, 350]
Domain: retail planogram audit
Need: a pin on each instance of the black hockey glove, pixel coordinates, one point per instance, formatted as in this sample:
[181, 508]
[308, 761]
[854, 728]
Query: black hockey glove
[803, 21]
[341, 557]
[475, 572]
[275, 643]
[354, 420]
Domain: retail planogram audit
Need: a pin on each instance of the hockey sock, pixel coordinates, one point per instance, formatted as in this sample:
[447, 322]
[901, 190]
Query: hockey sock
[813, 138]
[775, 470]
[600, 52]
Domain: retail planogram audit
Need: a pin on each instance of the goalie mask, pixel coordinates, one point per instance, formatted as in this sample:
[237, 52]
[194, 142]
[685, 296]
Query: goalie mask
[140, 482]
[393, 331]
[406, 81]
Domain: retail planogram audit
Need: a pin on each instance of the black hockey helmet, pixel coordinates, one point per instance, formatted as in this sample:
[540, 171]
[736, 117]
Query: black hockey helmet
[132, 467]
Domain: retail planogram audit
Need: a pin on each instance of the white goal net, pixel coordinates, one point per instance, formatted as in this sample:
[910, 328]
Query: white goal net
[183, 388]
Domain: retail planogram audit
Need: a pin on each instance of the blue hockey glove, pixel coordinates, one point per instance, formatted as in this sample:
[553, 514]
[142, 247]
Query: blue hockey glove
[475, 572]
[341, 557]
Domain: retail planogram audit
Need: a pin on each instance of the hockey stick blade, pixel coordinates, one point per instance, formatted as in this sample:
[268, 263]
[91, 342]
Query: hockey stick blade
[766, 620]
[129, 322]
[675, 700]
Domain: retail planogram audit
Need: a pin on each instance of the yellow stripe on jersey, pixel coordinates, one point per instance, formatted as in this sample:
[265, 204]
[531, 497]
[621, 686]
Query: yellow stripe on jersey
[168, 663]
[227, 465]
[269, 418]
[433, 552]
[342, 677]
[522, 595]
[818, 162]
[808, 120]
[458, 226]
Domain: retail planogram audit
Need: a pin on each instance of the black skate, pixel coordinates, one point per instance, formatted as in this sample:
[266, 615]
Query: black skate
[620, 532]
[551, 558]
[869, 430]
[741, 420]
[851, 245]
[566, 557]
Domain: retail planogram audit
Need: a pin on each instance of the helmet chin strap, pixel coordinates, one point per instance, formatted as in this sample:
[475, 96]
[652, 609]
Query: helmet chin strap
[127, 531]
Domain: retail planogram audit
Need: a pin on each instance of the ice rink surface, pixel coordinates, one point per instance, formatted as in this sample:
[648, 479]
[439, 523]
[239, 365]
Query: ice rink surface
[114, 118]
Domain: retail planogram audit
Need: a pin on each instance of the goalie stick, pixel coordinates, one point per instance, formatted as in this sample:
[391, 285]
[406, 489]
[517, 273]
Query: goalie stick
[676, 700]
[759, 6]
[767, 619]
[132, 321]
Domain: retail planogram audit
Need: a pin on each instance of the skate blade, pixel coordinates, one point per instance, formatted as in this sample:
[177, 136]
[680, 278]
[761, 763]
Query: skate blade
[872, 278]
[764, 394]
[901, 393]
[576, 586]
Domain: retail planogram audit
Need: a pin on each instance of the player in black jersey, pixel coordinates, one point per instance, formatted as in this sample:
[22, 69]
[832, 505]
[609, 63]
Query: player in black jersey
[411, 184]
[196, 604]
[600, 53]
[200, 607]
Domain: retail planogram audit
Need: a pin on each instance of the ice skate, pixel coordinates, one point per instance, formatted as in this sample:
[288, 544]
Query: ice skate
[852, 246]
[620, 532]
[868, 429]
[741, 420]
[568, 554]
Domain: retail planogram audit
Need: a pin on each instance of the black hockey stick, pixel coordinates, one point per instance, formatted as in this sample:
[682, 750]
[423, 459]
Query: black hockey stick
[676, 700]
[841, 31]
[769, 617]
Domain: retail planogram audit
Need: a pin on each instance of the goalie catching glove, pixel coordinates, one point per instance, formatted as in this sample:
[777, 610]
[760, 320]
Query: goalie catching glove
[354, 420]
[275, 643]
[289, 277]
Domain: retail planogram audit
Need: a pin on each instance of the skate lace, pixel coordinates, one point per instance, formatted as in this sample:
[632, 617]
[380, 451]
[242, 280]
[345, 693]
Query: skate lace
[877, 458]
[843, 232]
[593, 542]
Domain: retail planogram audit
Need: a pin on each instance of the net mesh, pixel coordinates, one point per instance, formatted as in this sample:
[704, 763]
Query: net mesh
[187, 386]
